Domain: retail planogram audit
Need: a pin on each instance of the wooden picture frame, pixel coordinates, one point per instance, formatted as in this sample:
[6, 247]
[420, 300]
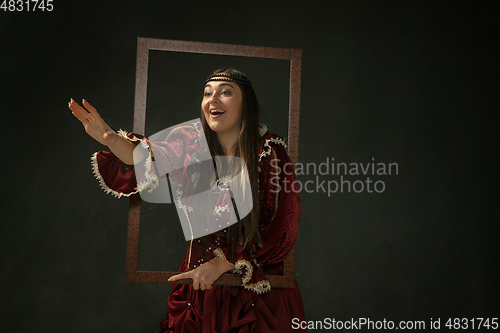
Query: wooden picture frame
[144, 45]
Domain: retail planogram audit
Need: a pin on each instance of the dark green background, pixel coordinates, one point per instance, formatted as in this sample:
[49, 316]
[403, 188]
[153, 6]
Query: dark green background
[414, 83]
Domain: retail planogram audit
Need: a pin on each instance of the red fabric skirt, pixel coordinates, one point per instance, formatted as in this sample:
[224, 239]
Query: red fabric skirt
[232, 309]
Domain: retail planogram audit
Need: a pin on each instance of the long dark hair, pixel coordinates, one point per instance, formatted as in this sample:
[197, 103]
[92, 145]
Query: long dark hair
[246, 231]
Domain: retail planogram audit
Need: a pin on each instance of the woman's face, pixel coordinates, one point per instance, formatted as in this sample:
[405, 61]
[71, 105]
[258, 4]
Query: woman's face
[221, 106]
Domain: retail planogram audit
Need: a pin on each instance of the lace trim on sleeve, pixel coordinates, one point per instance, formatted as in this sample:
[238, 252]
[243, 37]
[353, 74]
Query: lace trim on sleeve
[151, 181]
[179, 204]
[123, 134]
[218, 252]
[102, 184]
[259, 287]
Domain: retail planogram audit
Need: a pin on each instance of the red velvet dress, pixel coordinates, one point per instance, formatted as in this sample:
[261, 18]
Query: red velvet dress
[256, 306]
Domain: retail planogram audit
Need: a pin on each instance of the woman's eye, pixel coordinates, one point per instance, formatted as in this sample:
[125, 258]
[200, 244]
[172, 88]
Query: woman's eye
[206, 94]
[225, 92]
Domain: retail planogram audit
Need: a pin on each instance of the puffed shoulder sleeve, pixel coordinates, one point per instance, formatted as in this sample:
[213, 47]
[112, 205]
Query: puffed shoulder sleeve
[120, 179]
[280, 202]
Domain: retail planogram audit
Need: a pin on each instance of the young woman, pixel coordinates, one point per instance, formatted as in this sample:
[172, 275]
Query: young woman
[253, 247]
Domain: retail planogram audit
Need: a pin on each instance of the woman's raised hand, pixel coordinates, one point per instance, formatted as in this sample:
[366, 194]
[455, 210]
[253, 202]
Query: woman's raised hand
[97, 128]
[94, 125]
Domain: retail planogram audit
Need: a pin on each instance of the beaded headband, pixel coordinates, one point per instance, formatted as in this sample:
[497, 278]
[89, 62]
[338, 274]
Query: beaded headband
[229, 78]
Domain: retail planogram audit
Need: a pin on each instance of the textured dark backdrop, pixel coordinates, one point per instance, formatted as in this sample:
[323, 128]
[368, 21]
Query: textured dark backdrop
[411, 83]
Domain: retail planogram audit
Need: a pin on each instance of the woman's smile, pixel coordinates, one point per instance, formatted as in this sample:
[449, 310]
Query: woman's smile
[215, 113]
